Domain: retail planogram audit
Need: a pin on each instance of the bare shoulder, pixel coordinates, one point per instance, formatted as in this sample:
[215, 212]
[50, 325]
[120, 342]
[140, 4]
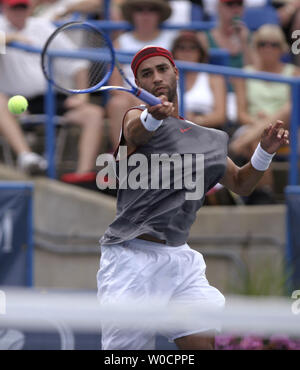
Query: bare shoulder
[116, 44]
[203, 39]
[296, 71]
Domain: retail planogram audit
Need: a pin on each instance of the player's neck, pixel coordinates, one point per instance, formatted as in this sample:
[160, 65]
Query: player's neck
[176, 110]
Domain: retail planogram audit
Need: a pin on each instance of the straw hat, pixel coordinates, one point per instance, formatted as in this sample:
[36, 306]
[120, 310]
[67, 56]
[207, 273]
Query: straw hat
[128, 6]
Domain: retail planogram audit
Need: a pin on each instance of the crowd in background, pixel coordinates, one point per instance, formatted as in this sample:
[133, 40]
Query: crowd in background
[257, 34]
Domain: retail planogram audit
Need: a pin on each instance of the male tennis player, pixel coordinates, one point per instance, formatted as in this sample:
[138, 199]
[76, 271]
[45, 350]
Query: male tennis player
[144, 251]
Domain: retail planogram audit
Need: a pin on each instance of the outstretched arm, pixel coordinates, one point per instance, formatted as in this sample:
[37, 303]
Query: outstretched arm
[243, 180]
[135, 131]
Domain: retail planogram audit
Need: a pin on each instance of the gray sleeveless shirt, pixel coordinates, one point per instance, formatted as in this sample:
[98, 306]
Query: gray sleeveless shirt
[166, 213]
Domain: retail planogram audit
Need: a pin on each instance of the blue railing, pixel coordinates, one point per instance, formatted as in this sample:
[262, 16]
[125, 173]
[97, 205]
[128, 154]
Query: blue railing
[183, 67]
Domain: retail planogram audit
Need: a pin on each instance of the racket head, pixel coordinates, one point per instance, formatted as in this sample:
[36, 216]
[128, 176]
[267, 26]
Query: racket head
[78, 58]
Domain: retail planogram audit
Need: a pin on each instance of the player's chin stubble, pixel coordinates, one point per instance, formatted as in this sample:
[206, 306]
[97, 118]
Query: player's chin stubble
[171, 93]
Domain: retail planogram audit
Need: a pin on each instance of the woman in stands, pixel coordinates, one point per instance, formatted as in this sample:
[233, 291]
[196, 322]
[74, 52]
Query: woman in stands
[259, 102]
[230, 34]
[205, 94]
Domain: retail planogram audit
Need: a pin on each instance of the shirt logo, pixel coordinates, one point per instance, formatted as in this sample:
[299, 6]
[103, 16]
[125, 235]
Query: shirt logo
[182, 130]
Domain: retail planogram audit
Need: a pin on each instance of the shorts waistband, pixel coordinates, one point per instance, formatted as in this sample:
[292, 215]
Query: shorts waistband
[151, 238]
[141, 243]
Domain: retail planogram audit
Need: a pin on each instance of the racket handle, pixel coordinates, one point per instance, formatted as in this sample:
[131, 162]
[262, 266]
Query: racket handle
[147, 97]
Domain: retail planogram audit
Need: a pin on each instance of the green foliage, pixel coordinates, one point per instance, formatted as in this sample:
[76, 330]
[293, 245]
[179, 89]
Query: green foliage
[266, 278]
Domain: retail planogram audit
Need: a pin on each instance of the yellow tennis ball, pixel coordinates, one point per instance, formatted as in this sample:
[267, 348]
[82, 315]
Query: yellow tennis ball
[17, 104]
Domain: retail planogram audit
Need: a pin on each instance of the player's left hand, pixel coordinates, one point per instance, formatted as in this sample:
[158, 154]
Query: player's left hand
[274, 136]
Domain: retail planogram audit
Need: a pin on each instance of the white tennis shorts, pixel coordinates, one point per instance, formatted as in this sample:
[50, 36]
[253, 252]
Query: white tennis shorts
[143, 270]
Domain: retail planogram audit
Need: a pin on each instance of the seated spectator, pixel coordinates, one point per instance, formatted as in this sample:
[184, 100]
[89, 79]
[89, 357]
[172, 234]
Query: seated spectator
[205, 94]
[261, 102]
[210, 7]
[58, 9]
[146, 17]
[181, 12]
[21, 74]
[230, 34]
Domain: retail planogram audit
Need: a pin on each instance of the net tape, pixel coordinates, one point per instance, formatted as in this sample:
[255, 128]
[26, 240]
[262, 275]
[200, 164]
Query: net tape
[34, 310]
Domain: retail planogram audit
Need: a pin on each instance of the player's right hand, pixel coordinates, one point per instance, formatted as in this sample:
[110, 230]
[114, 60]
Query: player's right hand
[163, 110]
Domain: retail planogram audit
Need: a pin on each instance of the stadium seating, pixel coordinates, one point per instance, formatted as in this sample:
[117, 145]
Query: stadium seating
[254, 17]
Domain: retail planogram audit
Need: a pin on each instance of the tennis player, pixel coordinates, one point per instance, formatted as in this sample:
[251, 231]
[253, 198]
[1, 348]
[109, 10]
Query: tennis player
[145, 254]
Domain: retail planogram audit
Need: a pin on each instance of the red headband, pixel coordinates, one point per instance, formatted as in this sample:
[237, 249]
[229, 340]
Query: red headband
[149, 52]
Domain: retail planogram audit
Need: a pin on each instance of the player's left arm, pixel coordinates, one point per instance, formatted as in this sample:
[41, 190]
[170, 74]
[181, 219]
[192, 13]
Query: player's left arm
[243, 180]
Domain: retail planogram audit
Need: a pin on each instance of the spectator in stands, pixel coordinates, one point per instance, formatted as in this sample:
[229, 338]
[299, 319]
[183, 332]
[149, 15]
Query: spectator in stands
[182, 11]
[205, 95]
[210, 7]
[21, 74]
[58, 9]
[260, 102]
[230, 34]
[146, 17]
[289, 17]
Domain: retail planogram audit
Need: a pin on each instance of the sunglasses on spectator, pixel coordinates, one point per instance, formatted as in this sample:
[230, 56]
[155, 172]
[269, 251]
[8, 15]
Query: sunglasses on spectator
[145, 9]
[273, 44]
[230, 4]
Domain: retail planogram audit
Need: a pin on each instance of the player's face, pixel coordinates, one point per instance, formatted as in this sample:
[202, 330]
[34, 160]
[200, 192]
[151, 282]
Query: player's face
[158, 76]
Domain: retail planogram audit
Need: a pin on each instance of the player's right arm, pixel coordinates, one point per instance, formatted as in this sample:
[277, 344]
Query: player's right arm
[135, 132]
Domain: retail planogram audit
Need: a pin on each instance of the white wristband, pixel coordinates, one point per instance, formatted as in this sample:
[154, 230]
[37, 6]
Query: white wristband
[149, 122]
[260, 159]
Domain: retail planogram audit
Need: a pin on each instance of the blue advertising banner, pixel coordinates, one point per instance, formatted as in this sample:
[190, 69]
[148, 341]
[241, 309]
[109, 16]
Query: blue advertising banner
[292, 194]
[16, 256]
[16, 269]
[62, 338]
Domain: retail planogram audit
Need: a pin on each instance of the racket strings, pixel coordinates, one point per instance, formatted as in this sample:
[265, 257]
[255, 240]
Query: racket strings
[77, 58]
[102, 65]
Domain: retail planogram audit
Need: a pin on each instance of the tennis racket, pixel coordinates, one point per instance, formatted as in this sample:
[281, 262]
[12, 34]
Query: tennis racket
[79, 58]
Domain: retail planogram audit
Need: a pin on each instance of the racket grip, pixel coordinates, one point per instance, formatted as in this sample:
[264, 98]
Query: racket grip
[147, 97]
